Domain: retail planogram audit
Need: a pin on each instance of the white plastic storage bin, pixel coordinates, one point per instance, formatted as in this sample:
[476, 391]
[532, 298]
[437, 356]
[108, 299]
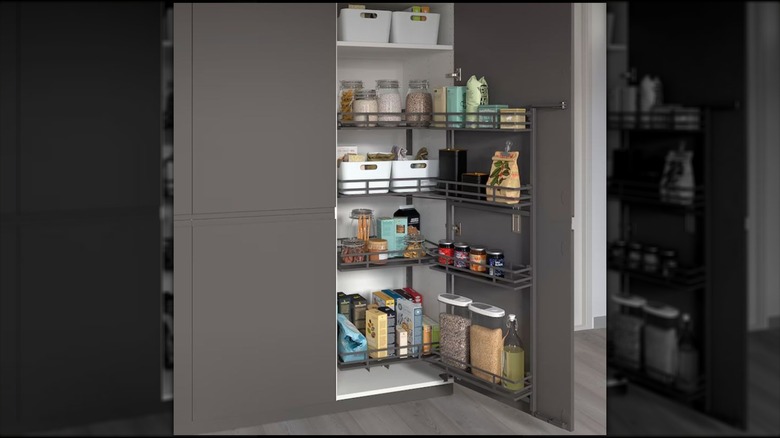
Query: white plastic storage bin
[364, 25]
[413, 169]
[372, 170]
[405, 29]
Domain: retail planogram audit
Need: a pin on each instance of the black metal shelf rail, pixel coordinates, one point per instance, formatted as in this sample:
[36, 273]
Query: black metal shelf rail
[515, 276]
[512, 199]
[683, 278]
[495, 385]
[450, 121]
[641, 378]
[413, 353]
[672, 119]
[650, 193]
[393, 259]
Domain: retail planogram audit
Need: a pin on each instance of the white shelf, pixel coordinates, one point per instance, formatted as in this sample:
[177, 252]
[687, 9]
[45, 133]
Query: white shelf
[381, 380]
[359, 49]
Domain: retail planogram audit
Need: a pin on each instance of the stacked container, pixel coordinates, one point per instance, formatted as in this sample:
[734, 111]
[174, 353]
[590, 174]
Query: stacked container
[486, 339]
[626, 330]
[454, 323]
[661, 342]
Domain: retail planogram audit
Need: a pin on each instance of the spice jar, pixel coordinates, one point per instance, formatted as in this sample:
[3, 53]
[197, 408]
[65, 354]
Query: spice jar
[447, 249]
[352, 250]
[414, 246]
[363, 223]
[461, 255]
[365, 102]
[668, 263]
[418, 100]
[650, 260]
[618, 253]
[634, 256]
[388, 101]
[478, 255]
[376, 245]
[495, 261]
[347, 91]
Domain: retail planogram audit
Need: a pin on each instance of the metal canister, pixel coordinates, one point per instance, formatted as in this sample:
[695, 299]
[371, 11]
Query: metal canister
[495, 261]
[462, 255]
[447, 249]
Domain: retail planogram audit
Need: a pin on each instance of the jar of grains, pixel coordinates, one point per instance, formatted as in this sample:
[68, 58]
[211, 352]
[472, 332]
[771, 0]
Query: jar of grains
[414, 246]
[347, 97]
[389, 101]
[418, 100]
[365, 102]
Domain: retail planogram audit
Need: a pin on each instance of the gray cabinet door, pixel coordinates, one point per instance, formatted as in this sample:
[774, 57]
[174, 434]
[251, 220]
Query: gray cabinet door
[263, 101]
[257, 336]
[526, 59]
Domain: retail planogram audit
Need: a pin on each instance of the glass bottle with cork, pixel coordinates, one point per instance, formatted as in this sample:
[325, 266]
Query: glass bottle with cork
[513, 357]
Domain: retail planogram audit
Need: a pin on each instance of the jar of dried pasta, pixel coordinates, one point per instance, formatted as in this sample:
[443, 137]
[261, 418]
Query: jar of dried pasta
[347, 91]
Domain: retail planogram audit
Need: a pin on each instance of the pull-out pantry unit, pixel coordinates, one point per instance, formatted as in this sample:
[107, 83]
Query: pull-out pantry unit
[259, 215]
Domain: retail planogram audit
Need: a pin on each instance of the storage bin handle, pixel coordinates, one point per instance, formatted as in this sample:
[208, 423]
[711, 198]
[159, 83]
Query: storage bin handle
[369, 15]
[418, 18]
[368, 167]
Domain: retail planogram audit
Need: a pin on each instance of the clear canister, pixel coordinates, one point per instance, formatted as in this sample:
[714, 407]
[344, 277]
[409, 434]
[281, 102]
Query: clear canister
[388, 101]
[363, 223]
[347, 90]
[454, 323]
[660, 341]
[365, 102]
[486, 339]
[419, 100]
[626, 327]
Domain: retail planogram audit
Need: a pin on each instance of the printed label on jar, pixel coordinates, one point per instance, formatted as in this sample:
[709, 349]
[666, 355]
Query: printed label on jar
[461, 259]
[495, 263]
[478, 258]
[449, 252]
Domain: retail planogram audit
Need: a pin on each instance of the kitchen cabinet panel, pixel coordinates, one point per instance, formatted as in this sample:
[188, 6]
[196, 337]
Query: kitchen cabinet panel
[263, 90]
[262, 320]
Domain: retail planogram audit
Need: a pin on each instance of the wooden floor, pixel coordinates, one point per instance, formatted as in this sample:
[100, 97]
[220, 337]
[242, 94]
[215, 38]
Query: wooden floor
[643, 412]
[465, 412]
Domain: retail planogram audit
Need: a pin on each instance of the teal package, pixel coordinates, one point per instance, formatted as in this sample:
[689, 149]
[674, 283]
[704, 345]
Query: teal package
[492, 119]
[456, 103]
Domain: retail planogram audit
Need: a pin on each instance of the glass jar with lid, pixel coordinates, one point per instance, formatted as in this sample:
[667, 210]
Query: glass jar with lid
[419, 103]
[650, 260]
[668, 263]
[347, 90]
[634, 256]
[388, 101]
[414, 246]
[353, 250]
[365, 102]
[478, 259]
[363, 223]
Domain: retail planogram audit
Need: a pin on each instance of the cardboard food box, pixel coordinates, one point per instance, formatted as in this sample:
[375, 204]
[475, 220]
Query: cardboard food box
[382, 299]
[376, 332]
[435, 331]
[408, 316]
[416, 295]
[358, 311]
[401, 340]
[393, 230]
[343, 304]
[390, 329]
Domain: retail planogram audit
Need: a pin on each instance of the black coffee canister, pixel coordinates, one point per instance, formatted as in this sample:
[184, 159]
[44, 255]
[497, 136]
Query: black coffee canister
[474, 178]
[452, 164]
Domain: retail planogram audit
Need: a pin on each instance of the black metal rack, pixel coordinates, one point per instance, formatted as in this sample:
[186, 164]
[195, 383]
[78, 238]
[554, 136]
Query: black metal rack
[484, 122]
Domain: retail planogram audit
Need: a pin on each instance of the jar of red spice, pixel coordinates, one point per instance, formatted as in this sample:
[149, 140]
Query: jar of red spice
[447, 249]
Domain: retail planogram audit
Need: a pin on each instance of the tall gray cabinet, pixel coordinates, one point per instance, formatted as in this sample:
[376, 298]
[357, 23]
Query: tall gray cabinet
[256, 208]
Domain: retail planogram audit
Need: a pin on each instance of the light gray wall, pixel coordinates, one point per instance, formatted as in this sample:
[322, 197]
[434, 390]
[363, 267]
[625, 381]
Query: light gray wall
[763, 75]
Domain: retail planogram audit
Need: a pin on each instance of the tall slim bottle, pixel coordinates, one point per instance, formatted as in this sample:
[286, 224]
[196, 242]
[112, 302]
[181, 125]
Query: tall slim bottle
[513, 357]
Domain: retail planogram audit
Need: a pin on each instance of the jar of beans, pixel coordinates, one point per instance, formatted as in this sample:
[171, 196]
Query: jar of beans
[365, 102]
[389, 101]
[419, 103]
[347, 91]
[353, 250]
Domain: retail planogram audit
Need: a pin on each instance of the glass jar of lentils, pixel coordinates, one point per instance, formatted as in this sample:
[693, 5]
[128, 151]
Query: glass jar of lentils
[389, 101]
[347, 91]
[419, 104]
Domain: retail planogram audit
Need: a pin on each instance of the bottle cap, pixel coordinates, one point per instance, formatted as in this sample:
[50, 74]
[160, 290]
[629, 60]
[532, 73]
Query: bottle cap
[405, 207]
